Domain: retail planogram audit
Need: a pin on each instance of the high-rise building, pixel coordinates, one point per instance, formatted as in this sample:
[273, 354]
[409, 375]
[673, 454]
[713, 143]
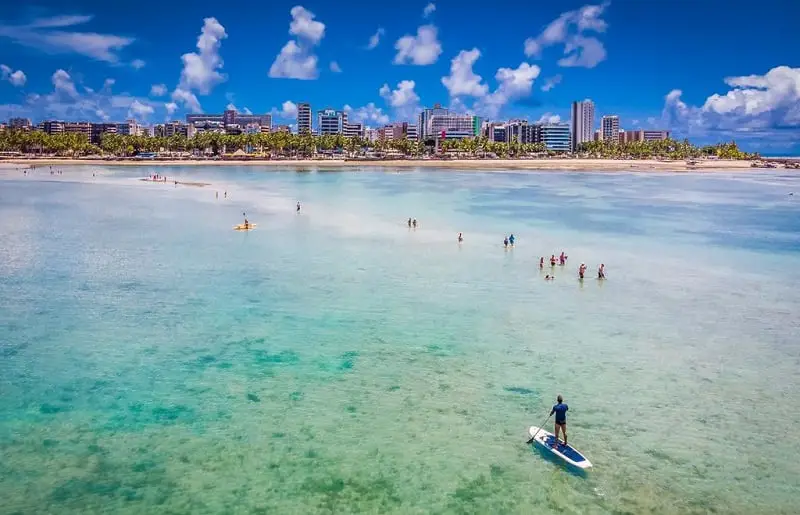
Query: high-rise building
[443, 123]
[303, 118]
[353, 130]
[517, 131]
[51, 127]
[582, 122]
[397, 130]
[411, 132]
[555, 136]
[129, 128]
[84, 128]
[370, 134]
[643, 135]
[230, 117]
[282, 128]
[598, 135]
[610, 127]
[19, 123]
[100, 129]
[329, 121]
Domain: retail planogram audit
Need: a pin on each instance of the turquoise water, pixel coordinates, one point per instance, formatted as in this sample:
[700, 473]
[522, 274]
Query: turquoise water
[152, 360]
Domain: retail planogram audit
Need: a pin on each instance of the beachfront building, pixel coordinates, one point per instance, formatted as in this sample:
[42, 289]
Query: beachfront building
[173, 128]
[582, 122]
[392, 131]
[98, 130]
[498, 133]
[209, 126]
[304, 118]
[129, 128]
[330, 121]
[371, 134]
[644, 135]
[555, 136]
[517, 131]
[609, 125]
[353, 130]
[598, 135]
[282, 128]
[411, 132]
[51, 127]
[443, 123]
[229, 117]
[20, 123]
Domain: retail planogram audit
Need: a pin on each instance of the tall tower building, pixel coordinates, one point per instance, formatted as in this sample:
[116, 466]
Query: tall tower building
[610, 128]
[582, 123]
[303, 118]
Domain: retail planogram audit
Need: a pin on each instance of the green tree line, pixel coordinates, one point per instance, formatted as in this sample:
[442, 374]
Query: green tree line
[306, 145]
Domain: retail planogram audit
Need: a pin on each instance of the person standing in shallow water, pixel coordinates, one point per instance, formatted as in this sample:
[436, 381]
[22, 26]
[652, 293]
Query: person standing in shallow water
[298, 207]
[409, 222]
[601, 272]
[505, 242]
[460, 238]
[560, 410]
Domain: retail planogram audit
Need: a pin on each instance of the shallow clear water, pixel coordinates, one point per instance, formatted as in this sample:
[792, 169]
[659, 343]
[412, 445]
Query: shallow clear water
[154, 360]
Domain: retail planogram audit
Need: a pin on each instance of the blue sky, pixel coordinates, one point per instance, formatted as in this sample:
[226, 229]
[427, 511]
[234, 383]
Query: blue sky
[655, 63]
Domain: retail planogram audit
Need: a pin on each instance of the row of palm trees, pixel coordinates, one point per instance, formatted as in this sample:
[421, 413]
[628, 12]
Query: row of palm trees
[278, 144]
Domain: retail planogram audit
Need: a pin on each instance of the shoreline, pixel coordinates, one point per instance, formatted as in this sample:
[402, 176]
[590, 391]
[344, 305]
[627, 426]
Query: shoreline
[586, 165]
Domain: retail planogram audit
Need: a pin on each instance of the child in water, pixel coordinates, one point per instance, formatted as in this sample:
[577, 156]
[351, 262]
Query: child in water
[505, 242]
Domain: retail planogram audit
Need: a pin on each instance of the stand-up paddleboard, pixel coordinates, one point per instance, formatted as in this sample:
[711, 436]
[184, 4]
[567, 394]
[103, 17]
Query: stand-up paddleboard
[241, 227]
[569, 454]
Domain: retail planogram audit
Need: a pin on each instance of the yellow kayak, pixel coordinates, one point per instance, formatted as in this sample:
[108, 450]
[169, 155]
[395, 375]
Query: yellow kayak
[242, 227]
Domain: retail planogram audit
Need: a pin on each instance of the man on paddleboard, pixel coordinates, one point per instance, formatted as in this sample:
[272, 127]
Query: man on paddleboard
[560, 410]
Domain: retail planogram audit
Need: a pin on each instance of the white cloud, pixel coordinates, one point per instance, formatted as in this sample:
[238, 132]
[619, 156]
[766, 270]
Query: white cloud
[421, 50]
[428, 9]
[403, 96]
[171, 107]
[296, 59]
[201, 69]
[335, 68]
[754, 103]
[569, 28]
[187, 99]
[375, 39]
[158, 90]
[551, 82]
[304, 26]
[108, 83]
[513, 83]
[140, 111]
[293, 62]
[288, 110]
[549, 118]
[137, 64]
[462, 80]
[366, 114]
[247, 111]
[39, 34]
[71, 101]
[16, 78]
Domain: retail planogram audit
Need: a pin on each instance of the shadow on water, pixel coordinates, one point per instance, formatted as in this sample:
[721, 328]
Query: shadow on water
[549, 456]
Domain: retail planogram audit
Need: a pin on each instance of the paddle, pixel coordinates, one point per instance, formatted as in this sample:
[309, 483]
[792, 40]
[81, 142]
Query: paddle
[540, 427]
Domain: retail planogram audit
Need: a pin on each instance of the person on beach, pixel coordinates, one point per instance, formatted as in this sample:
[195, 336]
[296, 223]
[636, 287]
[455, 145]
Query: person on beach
[511, 240]
[505, 242]
[541, 262]
[552, 260]
[560, 411]
[601, 272]
[460, 238]
[582, 270]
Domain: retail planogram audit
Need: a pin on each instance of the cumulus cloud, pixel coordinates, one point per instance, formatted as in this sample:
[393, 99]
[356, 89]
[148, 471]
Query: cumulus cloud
[304, 26]
[754, 104]
[428, 9]
[335, 68]
[513, 83]
[50, 35]
[288, 110]
[549, 118]
[404, 100]
[375, 39]
[570, 28]
[293, 62]
[158, 90]
[551, 82]
[16, 78]
[366, 114]
[462, 80]
[421, 50]
[296, 59]
[171, 107]
[201, 69]
[70, 101]
[187, 99]
[137, 64]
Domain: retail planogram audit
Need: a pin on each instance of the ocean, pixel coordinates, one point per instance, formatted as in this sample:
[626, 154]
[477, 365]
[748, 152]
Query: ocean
[153, 360]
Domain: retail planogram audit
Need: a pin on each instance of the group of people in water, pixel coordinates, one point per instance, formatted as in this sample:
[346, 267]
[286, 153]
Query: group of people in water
[562, 260]
[413, 223]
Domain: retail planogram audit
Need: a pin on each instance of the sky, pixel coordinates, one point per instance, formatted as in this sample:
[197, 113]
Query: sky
[705, 69]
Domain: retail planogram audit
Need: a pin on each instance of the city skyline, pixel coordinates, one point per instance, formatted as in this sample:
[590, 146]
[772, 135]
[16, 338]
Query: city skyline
[84, 63]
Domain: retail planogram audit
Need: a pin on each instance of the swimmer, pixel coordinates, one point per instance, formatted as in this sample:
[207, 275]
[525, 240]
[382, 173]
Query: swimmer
[552, 260]
[460, 238]
[549, 277]
[601, 272]
[505, 242]
[511, 240]
[541, 262]
[582, 270]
